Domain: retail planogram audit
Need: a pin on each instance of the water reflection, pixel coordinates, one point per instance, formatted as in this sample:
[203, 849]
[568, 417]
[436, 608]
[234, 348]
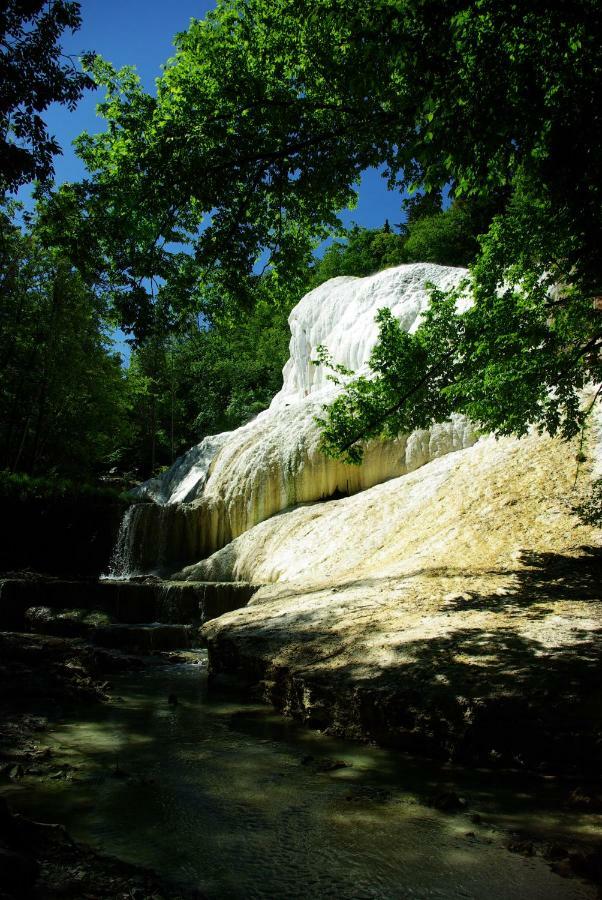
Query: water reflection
[243, 803]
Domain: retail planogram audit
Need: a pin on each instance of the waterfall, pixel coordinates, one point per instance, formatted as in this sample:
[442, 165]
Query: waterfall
[154, 539]
[121, 564]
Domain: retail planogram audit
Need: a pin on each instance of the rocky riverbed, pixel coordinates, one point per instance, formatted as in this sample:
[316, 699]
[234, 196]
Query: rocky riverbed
[208, 789]
[40, 861]
[42, 677]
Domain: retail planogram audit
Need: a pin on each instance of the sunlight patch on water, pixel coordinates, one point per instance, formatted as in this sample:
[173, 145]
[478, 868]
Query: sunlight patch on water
[245, 804]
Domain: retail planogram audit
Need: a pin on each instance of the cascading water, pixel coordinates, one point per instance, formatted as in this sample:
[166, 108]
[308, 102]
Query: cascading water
[153, 539]
[141, 542]
[121, 564]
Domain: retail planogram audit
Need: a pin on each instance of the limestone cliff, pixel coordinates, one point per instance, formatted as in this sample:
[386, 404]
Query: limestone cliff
[455, 611]
[475, 510]
[231, 481]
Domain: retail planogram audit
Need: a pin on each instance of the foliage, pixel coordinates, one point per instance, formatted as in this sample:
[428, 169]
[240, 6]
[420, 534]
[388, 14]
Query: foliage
[165, 246]
[203, 381]
[430, 234]
[241, 362]
[33, 75]
[261, 127]
[447, 237]
[68, 407]
[520, 354]
[590, 511]
[406, 366]
[362, 251]
[22, 487]
[270, 111]
[62, 402]
[263, 111]
[421, 205]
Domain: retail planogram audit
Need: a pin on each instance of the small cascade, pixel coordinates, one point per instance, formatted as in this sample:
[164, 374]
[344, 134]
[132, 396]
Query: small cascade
[121, 564]
[197, 602]
[179, 602]
[154, 539]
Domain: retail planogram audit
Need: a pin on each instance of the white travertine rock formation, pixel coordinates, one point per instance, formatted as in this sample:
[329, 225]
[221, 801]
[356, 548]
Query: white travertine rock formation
[439, 597]
[597, 434]
[340, 314]
[470, 512]
[236, 479]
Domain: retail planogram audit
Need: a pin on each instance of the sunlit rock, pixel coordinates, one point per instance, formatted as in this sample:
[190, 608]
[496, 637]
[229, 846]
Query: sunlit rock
[480, 507]
[455, 611]
[231, 481]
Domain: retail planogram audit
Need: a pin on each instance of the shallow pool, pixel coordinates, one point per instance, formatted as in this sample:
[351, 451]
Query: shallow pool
[243, 803]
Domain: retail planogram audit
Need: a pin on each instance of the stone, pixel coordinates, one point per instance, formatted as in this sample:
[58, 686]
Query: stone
[585, 799]
[231, 481]
[588, 864]
[323, 764]
[65, 622]
[351, 630]
[523, 846]
[555, 852]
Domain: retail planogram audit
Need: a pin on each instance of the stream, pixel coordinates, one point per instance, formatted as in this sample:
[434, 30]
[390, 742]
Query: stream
[229, 796]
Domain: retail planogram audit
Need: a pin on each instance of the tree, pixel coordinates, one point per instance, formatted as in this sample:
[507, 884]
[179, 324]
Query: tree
[421, 205]
[33, 74]
[237, 365]
[519, 355]
[430, 234]
[360, 252]
[270, 111]
[448, 237]
[63, 399]
[207, 378]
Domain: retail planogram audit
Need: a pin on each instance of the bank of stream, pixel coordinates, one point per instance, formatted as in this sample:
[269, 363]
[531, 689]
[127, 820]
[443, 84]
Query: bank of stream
[226, 795]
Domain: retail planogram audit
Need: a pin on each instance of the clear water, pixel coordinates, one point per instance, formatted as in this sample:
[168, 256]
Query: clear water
[220, 793]
[121, 564]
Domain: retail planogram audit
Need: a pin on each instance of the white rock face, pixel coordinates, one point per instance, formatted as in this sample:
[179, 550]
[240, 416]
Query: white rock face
[236, 479]
[448, 585]
[340, 314]
[476, 511]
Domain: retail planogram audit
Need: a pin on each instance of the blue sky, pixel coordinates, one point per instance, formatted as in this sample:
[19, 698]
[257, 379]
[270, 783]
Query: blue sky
[133, 32]
[140, 33]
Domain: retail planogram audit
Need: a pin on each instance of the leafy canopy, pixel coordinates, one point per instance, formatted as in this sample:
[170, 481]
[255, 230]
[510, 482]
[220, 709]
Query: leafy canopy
[33, 74]
[62, 390]
[429, 235]
[266, 117]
